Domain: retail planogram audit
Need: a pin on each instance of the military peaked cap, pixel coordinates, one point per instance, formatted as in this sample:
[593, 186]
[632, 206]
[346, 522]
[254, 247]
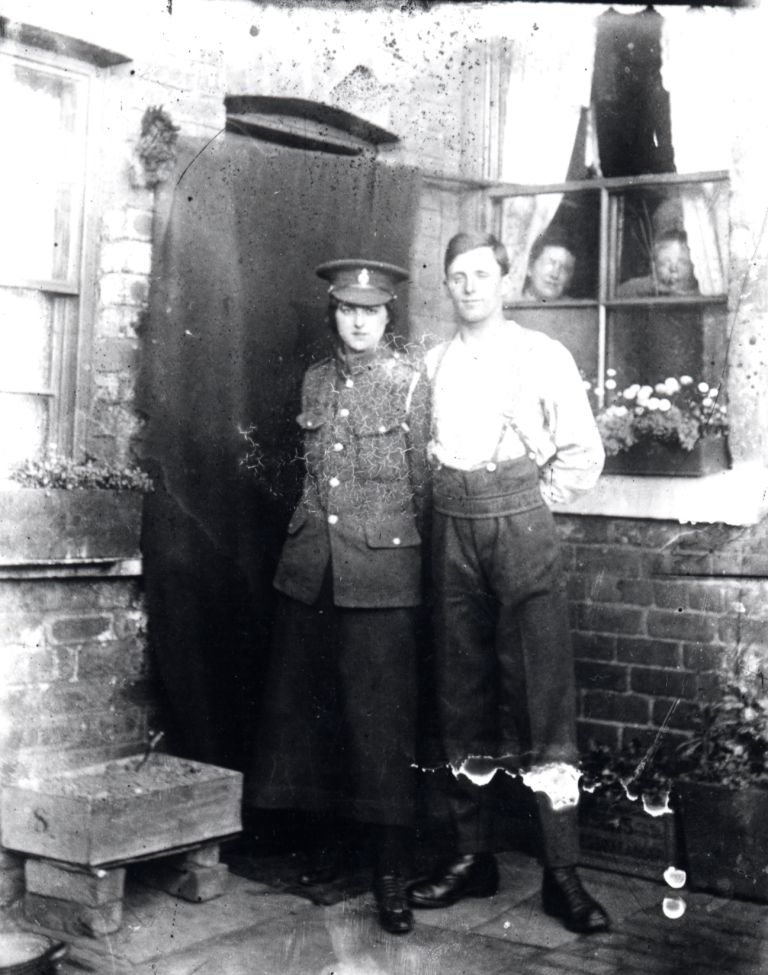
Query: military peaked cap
[362, 282]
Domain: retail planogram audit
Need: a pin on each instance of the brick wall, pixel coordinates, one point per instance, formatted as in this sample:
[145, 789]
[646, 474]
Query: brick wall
[659, 610]
[76, 687]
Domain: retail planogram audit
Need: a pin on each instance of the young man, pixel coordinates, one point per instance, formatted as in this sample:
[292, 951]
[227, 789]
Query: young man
[512, 430]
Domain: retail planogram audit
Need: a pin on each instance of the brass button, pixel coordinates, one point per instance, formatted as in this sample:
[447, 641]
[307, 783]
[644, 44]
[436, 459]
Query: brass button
[395, 541]
[332, 519]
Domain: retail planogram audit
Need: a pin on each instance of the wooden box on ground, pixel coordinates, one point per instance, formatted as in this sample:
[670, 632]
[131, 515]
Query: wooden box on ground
[724, 838]
[622, 837]
[121, 810]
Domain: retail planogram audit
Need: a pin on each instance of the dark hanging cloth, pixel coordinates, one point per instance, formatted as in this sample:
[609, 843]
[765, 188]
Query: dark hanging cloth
[632, 114]
[236, 316]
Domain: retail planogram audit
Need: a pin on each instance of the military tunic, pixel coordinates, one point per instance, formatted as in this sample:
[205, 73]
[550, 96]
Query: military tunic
[364, 433]
[337, 732]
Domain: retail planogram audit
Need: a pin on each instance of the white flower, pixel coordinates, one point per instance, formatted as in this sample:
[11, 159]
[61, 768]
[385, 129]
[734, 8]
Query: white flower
[707, 402]
[631, 391]
[664, 405]
[587, 384]
[644, 394]
[671, 386]
[617, 411]
[686, 380]
[653, 403]
[610, 372]
[610, 384]
[660, 388]
[703, 387]
[713, 393]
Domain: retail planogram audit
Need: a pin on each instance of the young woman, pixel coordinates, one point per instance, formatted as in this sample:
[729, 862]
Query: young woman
[337, 735]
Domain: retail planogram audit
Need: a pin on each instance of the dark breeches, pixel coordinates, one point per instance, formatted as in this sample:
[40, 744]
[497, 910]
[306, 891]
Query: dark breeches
[504, 664]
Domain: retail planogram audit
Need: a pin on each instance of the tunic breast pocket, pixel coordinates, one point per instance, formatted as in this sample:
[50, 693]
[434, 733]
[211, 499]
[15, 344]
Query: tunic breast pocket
[312, 425]
[382, 451]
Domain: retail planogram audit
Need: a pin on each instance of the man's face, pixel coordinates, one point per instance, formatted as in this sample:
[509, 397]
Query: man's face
[476, 285]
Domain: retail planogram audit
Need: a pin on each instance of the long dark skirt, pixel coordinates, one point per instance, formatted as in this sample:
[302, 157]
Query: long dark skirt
[337, 731]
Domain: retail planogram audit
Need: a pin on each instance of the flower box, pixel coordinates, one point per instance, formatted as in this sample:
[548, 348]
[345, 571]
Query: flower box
[724, 838]
[55, 525]
[659, 458]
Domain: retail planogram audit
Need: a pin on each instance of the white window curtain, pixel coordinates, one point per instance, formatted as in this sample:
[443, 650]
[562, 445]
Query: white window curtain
[549, 84]
[696, 46]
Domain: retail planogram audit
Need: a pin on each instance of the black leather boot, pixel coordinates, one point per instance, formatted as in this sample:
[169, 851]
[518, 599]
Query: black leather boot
[394, 913]
[472, 875]
[563, 896]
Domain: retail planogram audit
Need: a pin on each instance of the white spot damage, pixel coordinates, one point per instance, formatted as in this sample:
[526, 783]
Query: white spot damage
[675, 877]
[656, 805]
[558, 780]
[673, 907]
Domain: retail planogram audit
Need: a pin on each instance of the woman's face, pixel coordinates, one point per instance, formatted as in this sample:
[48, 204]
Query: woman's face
[551, 273]
[361, 327]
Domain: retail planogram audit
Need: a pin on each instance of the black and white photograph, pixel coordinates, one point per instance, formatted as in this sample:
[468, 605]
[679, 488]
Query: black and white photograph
[383, 488]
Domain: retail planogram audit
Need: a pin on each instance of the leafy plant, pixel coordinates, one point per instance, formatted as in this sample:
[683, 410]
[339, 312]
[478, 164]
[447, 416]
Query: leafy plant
[634, 772]
[730, 744]
[678, 411]
[53, 471]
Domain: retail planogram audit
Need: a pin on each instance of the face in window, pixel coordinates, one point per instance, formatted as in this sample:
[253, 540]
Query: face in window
[673, 267]
[476, 286]
[361, 327]
[550, 274]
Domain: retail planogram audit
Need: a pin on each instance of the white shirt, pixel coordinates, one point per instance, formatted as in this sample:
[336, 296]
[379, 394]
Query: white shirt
[515, 391]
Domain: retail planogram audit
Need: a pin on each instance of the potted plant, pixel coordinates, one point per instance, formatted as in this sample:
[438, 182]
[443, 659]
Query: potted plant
[625, 820]
[677, 426]
[721, 791]
[60, 510]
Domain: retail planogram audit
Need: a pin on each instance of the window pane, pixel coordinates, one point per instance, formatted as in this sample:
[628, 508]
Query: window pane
[41, 178]
[26, 337]
[552, 240]
[576, 328]
[24, 421]
[647, 344]
[671, 241]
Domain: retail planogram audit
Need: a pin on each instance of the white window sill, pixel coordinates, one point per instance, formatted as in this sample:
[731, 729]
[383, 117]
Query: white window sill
[735, 497]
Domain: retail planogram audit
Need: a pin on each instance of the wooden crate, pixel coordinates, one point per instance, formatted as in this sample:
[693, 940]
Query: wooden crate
[621, 837]
[117, 811]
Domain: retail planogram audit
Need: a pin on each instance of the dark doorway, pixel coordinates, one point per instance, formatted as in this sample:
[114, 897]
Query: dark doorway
[237, 315]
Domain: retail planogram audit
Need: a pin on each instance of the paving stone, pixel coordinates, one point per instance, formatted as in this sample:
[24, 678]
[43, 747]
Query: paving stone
[259, 930]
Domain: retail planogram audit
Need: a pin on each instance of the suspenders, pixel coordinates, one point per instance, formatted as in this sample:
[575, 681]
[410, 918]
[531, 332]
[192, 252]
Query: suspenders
[508, 423]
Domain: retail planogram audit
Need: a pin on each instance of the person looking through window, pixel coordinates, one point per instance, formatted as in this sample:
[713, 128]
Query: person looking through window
[671, 270]
[551, 265]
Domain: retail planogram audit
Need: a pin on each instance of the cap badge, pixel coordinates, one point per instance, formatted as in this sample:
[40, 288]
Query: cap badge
[364, 278]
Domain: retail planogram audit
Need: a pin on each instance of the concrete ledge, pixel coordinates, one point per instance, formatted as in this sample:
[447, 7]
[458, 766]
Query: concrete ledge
[735, 497]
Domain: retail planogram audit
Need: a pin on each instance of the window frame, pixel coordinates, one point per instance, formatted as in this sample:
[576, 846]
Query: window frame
[73, 299]
[607, 188]
[738, 496]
